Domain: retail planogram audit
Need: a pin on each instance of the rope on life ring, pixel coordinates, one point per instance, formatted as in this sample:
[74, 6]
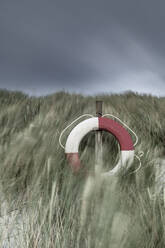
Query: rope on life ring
[108, 125]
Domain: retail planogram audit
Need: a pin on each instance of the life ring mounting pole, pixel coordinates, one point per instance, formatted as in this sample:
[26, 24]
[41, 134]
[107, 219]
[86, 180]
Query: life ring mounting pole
[98, 141]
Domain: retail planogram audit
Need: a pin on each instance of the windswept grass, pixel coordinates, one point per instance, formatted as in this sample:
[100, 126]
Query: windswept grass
[36, 180]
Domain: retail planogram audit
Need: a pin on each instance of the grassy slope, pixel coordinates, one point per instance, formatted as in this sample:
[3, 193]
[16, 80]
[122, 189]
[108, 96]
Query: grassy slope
[34, 171]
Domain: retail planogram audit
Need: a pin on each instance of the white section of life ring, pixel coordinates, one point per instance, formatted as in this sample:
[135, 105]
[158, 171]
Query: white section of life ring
[79, 132]
[125, 160]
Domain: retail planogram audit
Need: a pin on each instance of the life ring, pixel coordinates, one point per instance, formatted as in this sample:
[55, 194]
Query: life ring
[100, 123]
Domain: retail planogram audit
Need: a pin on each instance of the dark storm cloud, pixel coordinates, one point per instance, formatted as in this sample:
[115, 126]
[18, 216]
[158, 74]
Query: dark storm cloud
[88, 46]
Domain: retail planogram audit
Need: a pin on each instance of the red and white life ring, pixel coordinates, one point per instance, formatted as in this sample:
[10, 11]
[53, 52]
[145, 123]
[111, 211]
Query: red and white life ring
[100, 123]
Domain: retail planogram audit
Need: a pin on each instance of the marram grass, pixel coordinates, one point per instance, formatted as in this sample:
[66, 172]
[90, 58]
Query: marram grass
[47, 206]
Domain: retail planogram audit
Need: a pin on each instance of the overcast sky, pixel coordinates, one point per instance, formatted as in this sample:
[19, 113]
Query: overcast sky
[85, 46]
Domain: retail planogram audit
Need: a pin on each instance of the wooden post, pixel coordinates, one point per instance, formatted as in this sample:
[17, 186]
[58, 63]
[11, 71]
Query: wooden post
[98, 142]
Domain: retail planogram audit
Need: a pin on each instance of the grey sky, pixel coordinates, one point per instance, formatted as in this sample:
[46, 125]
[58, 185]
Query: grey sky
[88, 46]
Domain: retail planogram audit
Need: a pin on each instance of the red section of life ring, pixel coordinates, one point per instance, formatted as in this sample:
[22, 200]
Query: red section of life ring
[118, 131]
[74, 161]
